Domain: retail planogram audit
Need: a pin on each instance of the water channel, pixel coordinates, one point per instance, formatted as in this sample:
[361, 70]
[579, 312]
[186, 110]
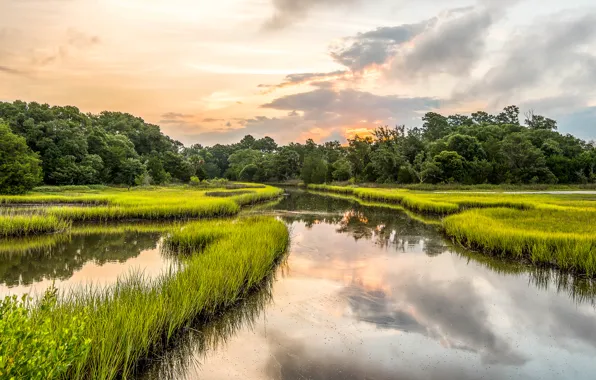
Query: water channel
[365, 293]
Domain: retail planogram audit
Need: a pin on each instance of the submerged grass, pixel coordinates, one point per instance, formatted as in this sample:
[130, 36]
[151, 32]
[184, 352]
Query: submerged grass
[131, 320]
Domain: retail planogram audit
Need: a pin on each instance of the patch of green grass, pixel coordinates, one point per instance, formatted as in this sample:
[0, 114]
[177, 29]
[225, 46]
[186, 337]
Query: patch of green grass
[117, 204]
[563, 238]
[133, 319]
[545, 229]
[25, 225]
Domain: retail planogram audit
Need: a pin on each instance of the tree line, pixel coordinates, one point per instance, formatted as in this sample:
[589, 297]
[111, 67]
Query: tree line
[63, 146]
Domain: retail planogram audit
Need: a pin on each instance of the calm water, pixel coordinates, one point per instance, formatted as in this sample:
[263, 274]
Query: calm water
[365, 293]
[78, 260]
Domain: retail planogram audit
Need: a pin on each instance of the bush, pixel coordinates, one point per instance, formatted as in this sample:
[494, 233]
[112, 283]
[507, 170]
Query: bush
[31, 347]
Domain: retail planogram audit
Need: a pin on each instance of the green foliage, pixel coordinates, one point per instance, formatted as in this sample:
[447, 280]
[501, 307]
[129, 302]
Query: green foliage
[451, 166]
[342, 169]
[81, 149]
[248, 173]
[34, 344]
[19, 166]
[314, 169]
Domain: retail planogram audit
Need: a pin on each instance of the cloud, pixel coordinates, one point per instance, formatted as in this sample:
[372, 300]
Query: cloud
[74, 41]
[293, 359]
[305, 78]
[10, 70]
[342, 107]
[175, 118]
[452, 42]
[553, 52]
[452, 46]
[287, 12]
[324, 114]
[439, 313]
[375, 47]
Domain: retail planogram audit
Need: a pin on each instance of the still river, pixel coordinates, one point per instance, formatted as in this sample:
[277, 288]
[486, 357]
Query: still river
[365, 293]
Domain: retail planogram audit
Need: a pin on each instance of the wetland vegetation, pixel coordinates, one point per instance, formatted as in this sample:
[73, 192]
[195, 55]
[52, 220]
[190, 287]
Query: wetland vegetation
[219, 261]
[545, 229]
[117, 191]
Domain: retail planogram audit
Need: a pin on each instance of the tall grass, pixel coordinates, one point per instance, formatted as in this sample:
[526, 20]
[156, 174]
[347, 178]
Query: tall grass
[450, 203]
[117, 204]
[556, 230]
[136, 317]
[566, 239]
[25, 225]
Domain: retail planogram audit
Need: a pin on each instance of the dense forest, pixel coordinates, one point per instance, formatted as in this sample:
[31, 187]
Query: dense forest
[63, 146]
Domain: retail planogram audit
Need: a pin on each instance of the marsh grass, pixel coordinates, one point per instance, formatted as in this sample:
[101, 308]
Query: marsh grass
[132, 319]
[561, 238]
[117, 205]
[553, 230]
[25, 225]
[434, 202]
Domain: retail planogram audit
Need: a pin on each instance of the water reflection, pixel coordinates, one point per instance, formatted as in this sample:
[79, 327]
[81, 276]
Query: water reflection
[205, 336]
[369, 293]
[30, 265]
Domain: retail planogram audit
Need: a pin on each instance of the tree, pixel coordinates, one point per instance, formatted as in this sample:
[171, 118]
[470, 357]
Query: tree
[451, 165]
[314, 169]
[435, 126]
[239, 160]
[248, 173]
[540, 122]
[466, 146]
[342, 169]
[525, 162]
[130, 169]
[156, 170]
[20, 168]
[510, 115]
[265, 145]
[287, 163]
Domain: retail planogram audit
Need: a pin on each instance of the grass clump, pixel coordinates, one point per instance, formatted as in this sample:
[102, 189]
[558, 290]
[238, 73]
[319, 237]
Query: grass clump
[562, 238]
[25, 225]
[136, 318]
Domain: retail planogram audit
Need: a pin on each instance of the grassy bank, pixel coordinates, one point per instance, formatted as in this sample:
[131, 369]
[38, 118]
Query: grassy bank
[432, 202]
[116, 327]
[118, 204]
[544, 229]
[562, 238]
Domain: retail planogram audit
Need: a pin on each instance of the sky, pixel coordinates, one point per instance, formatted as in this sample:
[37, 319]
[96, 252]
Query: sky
[213, 71]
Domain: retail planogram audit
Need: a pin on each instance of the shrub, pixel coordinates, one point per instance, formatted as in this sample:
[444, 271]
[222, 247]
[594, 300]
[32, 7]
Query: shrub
[31, 346]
